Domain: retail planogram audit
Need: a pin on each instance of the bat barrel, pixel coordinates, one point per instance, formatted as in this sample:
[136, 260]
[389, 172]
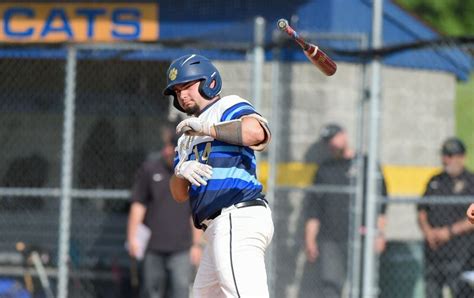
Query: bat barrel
[324, 63]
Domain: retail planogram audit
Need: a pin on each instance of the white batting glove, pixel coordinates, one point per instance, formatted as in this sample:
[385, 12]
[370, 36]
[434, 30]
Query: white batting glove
[182, 150]
[194, 127]
[194, 171]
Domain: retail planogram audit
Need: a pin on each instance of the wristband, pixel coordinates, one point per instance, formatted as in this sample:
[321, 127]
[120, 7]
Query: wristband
[229, 132]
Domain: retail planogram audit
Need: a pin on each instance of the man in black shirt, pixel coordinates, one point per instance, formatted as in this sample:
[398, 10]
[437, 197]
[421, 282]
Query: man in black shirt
[173, 239]
[448, 234]
[328, 214]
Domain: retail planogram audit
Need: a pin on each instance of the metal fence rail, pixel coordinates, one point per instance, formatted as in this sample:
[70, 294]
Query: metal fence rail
[73, 137]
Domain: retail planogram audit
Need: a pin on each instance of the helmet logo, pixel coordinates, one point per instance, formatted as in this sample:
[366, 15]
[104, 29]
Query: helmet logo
[173, 74]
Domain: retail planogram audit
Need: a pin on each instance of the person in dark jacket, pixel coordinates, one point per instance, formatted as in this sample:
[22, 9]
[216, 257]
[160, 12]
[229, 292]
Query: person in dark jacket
[447, 232]
[174, 244]
[327, 228]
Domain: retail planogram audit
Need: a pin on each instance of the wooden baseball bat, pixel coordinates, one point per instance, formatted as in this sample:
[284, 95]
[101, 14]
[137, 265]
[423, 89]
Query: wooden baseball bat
[322, 61]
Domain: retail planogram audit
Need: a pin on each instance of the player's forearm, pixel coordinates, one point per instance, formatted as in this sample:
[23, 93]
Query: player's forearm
[179, 189]
[247, 131]
[252, 132]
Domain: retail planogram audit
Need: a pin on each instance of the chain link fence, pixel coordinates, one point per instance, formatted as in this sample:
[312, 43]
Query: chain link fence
[429, 250]
[76, 124]
[31, 121]
[320, 198]
[118, 111]
[311, 201]
[119, 114]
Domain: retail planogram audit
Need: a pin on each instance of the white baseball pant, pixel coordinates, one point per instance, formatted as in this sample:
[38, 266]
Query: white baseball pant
[233, 263]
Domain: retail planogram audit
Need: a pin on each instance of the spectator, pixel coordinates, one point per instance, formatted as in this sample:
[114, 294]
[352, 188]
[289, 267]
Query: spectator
[448, 234]
[174, 243]
[328, 214]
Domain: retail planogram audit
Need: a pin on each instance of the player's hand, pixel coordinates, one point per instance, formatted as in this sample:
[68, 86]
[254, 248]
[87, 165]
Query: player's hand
[312, 251]
[470, 213]
[194, 127]
[195, 172]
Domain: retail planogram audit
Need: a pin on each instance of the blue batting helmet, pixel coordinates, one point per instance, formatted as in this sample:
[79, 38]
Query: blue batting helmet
[193, 68]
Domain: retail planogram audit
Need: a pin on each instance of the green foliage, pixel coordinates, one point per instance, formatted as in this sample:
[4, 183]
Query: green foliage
[451, 17]
[464, 118]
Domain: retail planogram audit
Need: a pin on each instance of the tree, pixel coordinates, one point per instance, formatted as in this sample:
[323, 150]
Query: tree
[450, 17]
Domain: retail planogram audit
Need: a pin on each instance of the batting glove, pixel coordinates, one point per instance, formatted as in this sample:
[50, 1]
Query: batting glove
[194, 171]
[194, 126]
[182, 150]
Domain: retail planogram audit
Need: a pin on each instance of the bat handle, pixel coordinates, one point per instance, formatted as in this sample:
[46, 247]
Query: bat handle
[282, 24]
[285, 27]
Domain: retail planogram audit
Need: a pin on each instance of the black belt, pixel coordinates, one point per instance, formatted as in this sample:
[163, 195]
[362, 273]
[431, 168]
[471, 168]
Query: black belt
[257, 202]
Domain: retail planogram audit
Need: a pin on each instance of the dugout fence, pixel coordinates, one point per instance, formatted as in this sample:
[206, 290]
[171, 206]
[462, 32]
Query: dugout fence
[419, 109]
[77, 121]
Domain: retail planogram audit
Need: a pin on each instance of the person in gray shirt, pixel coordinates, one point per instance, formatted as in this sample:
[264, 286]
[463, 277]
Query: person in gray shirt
[174, 245]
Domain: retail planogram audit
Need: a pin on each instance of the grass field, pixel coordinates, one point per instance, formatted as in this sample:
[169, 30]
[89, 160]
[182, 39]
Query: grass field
[465, 117]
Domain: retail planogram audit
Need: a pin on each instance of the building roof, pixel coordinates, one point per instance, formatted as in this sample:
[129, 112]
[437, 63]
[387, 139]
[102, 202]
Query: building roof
[332, 24]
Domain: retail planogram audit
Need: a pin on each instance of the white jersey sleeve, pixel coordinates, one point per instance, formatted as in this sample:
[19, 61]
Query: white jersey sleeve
[227, 108]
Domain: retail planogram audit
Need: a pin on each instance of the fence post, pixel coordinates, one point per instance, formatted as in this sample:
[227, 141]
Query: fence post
[355, 249]
[273, 158]
[258, 58]
[258, 61]
[66, 173]
[370, 272]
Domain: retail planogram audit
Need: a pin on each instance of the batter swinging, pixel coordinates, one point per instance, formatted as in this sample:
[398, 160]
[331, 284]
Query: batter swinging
[215, 168]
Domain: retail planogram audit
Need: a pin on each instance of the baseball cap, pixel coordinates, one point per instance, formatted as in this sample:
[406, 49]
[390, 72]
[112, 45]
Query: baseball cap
[453, 146]
[329, 131]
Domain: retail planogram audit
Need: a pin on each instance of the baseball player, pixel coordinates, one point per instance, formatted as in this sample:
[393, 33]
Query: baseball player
[215, 168]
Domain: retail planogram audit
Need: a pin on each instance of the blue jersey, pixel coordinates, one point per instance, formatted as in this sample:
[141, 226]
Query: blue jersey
[234, 177]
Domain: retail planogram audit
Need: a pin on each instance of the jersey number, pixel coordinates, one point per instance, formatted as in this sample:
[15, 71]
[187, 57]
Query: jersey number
[205, 154]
